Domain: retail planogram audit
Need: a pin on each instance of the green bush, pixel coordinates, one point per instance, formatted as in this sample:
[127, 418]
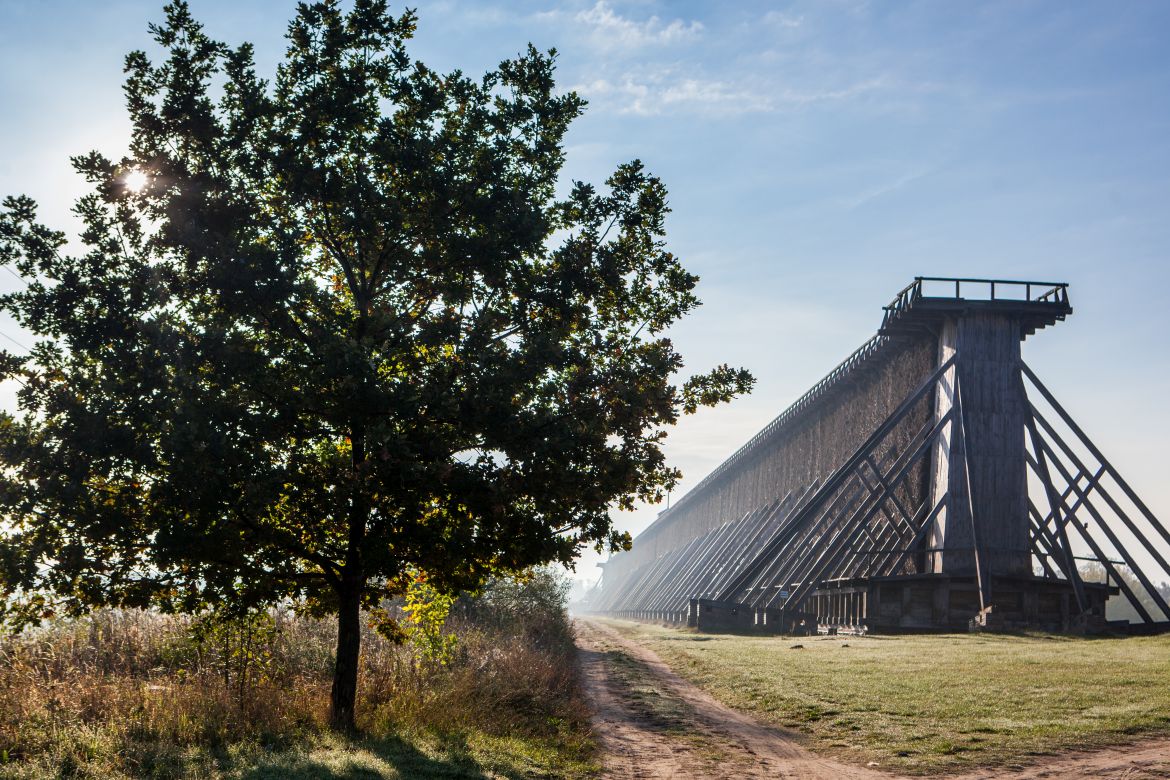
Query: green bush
[531, 605]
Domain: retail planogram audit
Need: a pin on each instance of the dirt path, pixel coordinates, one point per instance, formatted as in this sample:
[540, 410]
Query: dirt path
[1141, 761]
[653, 724]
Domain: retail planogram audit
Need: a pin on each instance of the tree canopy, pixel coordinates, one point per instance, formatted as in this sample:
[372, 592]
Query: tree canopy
[351, 326]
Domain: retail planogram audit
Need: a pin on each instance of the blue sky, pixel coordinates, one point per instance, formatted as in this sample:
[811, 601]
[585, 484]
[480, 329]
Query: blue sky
[819, 156]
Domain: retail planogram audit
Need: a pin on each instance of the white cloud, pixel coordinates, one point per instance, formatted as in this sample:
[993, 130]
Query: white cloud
[471, 15]
[886, 188]
[608, 29]
[831, 94]
[666, 92]
[665, 95]
[778, 19]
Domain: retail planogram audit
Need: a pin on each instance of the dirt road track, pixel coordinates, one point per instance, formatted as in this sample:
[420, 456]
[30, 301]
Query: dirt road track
[714, 742]
[653, 724]
[1142, 761]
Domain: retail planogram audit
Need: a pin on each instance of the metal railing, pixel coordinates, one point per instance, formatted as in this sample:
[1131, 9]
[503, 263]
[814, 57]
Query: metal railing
[983, 289]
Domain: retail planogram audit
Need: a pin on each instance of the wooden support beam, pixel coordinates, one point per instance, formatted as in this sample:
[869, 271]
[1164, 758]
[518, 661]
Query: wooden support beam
[837, 479]
[1096, 453]
[805, 576]
[939, 506]
[1083, 499]
[898, 559]
[981, 577]
[1039, 536]
[1040, 467]
[1118, 511]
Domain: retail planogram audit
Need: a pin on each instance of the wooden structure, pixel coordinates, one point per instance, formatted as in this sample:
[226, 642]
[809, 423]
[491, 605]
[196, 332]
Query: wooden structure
[929, 482]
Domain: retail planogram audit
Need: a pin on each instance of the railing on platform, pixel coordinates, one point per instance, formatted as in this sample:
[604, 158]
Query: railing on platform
[952, 288]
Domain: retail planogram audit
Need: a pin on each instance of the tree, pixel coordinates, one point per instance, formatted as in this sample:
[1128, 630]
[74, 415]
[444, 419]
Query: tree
[344, 332]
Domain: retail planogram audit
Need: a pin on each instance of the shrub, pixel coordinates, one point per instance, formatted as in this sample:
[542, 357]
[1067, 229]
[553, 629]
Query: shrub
[426, 612]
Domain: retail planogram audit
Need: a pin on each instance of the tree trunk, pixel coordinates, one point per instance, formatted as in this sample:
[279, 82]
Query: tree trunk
[345, 669]
[349, 597]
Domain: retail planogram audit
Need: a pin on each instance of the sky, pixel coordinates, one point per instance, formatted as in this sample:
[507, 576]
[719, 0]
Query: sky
[819, 156]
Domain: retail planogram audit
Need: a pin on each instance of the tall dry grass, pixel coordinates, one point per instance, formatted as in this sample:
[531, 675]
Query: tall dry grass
[133, 693]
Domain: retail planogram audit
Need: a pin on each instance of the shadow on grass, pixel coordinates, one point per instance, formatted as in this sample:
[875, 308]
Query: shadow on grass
[370, 759]
[689, 638]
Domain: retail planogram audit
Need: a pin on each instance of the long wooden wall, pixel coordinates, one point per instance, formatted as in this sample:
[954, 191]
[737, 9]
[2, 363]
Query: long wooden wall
[808, 447]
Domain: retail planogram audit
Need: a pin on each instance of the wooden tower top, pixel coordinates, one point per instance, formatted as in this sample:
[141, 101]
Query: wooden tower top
[929, 300]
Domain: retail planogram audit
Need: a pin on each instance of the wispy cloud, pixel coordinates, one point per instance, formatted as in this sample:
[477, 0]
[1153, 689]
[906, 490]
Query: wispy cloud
[778, 19]
[472, 15]
[665, 94]
[609, 30]
[873, 193]
[831, 94]
[665, 91]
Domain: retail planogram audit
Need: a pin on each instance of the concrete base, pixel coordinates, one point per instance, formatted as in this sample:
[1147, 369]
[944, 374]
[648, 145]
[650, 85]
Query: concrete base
[729, 617]
[908, 603]
[912, 603]
[723, 616]
[935, 602]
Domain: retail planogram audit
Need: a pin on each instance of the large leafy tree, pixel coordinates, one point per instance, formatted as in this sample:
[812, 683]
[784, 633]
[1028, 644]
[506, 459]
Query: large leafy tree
[345, 330]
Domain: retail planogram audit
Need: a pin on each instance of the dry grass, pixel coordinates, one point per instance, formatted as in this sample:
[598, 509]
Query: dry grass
[135, 694]
[933, 703]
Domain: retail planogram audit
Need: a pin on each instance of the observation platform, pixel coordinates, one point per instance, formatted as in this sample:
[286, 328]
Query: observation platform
[929, 300]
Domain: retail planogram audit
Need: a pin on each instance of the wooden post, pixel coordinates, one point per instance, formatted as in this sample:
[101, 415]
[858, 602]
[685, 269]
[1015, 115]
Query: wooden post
[990, 455]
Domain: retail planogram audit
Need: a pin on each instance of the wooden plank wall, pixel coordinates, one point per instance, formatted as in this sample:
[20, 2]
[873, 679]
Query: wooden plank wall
[995, 407]
[810, 447]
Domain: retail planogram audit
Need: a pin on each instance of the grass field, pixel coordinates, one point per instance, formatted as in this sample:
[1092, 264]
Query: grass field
[930, 703]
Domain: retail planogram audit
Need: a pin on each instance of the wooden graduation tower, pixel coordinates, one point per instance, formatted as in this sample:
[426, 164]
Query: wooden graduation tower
[930, 482]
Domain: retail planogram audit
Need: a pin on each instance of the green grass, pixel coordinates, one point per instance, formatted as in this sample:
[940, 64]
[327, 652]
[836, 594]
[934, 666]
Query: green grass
[323, 756]
[465, 756]
[929, 703]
